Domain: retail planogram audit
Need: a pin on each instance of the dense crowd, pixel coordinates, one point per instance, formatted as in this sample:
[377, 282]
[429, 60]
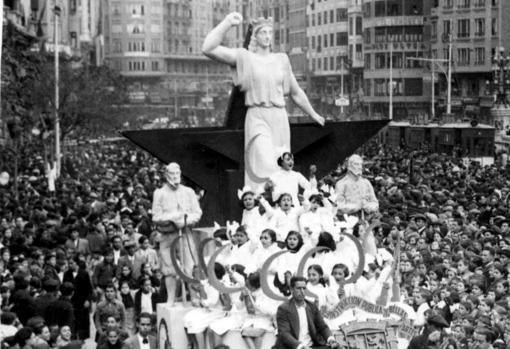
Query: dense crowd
[89, 250]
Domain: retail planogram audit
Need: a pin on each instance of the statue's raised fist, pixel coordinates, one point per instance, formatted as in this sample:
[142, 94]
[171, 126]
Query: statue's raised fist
[234, 18]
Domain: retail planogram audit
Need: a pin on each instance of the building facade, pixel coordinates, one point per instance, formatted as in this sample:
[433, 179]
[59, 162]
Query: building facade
[397, 28]
[156, 45]
[473, 27]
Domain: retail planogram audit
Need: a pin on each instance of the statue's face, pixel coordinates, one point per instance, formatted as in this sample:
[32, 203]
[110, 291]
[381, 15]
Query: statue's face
[356, 165]
[173, 176]
[264, 36]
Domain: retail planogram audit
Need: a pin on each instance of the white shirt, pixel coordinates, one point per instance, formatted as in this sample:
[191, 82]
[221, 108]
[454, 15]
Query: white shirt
[142, 345]
[146, 303]
[116, 256]
[289, 182]
[304, 336]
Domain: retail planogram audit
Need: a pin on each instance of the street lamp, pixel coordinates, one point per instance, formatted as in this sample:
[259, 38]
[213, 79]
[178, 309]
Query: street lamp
[57, 11]
[501, 78]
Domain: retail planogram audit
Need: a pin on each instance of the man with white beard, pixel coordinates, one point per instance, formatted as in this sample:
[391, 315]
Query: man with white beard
[174, 205]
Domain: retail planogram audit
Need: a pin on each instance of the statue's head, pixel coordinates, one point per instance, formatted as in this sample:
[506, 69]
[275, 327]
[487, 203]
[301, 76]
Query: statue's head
[262, 33]
[173, 173]
[355, 165]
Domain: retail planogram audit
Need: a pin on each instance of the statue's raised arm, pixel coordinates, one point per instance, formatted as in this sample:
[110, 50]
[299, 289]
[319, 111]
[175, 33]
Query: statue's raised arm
[265, 78]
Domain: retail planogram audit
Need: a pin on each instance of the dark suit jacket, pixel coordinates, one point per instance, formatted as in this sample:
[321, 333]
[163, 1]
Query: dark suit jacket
[138, 302]
[60, 312]
[133, 343]
[82, 287]
[287, 319]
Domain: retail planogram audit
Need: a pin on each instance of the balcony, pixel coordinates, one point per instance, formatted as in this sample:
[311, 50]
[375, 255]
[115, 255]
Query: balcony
[394, 21]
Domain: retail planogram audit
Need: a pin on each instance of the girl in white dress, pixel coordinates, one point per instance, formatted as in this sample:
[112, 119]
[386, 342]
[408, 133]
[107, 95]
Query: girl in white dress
[265, 248]
[284, 217]
[261, 312]
[208, 309]
[317, 286]
[252, 219]
[318, 218]
[243, 248]
[288, 263]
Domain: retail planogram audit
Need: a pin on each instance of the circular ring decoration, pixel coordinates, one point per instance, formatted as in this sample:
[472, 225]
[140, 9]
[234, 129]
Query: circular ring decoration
[213, 280]
[163, 338]
[306, 256]
[175, 262]
[361, 265]
[201, 248]
[264, 270]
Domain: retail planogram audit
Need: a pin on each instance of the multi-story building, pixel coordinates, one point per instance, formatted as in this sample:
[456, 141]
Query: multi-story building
[157, 46]
[397, 28]
[328, 53]
[473, 27]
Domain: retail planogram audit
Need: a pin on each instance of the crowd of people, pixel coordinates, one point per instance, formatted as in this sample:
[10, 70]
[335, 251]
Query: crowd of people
[89, 249]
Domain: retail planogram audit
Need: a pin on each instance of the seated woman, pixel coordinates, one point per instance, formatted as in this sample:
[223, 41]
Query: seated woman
[261, 311]
[209, 307]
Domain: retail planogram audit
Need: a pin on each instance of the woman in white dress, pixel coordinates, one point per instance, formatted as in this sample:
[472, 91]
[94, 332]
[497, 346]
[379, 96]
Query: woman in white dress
[266, 78]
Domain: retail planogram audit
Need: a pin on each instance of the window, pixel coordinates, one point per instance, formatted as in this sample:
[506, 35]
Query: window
[479, 26]
[463, 3]
[494, 27]
[136, 10]
[319, 46]
[313, 19]
[276, 14]
[276, 37]
[325, 63]
[380, 9]
[72, 6]
[116, 9]
[359, 26]
[351, 26]
[155, 65]
[413, 87]
[341, 14]
[380, 61]
[156, 45]
[433, 29]
[74, 40]
[332, 39]
[359, 52]
[463, 28]
[494, 3]
[479, 3]
[325, 40]
[367, 36]
[367, 61]
[325, 17]
[463, 56]
[331, 16]
[319, 19]
[332, 63]
[448, 3]
[447, 27]
[319, 64]
[479, 55]
[342, 39]
[313, 42]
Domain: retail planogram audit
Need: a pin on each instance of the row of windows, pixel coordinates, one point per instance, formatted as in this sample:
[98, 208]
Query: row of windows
[141, 66]
[335, 62]
[467, 27]
[394, 34]
[136, 28]
[322, 17]
[136, 46]
[401, 87]
[135, 10]
[342, 39]
[383, 8]
[463, 4]
[399, 60]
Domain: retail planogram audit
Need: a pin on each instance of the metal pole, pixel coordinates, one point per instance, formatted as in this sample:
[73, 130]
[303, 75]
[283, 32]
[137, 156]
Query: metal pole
[57, 99]
[2, 129]
[341, 83]
[433, 109]
[391, 80]
[449, 82]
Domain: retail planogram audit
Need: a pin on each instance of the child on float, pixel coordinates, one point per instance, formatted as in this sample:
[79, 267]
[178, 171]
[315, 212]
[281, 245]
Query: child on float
[327, 258]
[252, 219]
[208, 307]
[316, 219]
[318, 287]
[236, 312]
[288, 263]
[284, 217]
[267, 247]
[261, 311]
[243, 248]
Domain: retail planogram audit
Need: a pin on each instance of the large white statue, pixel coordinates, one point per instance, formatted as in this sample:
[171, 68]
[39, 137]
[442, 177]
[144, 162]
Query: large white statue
[266, 78]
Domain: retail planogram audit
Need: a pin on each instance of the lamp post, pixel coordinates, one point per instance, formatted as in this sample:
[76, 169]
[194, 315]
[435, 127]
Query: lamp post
[501, 77]
[57, 11]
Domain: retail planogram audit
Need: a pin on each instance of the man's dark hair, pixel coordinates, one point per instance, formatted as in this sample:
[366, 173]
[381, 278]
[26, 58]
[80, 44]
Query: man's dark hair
[144, 315]
[7, 318]
[296, 279]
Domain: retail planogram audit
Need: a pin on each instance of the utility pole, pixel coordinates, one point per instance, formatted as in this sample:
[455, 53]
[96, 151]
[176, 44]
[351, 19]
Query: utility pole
[57, 97]
[449, 101]
[434, 61]
[391, 81]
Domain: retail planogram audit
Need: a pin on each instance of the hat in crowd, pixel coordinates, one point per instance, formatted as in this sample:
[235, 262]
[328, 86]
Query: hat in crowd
[50, 285]
[129, 243]
[419, 216]
[436, 319]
